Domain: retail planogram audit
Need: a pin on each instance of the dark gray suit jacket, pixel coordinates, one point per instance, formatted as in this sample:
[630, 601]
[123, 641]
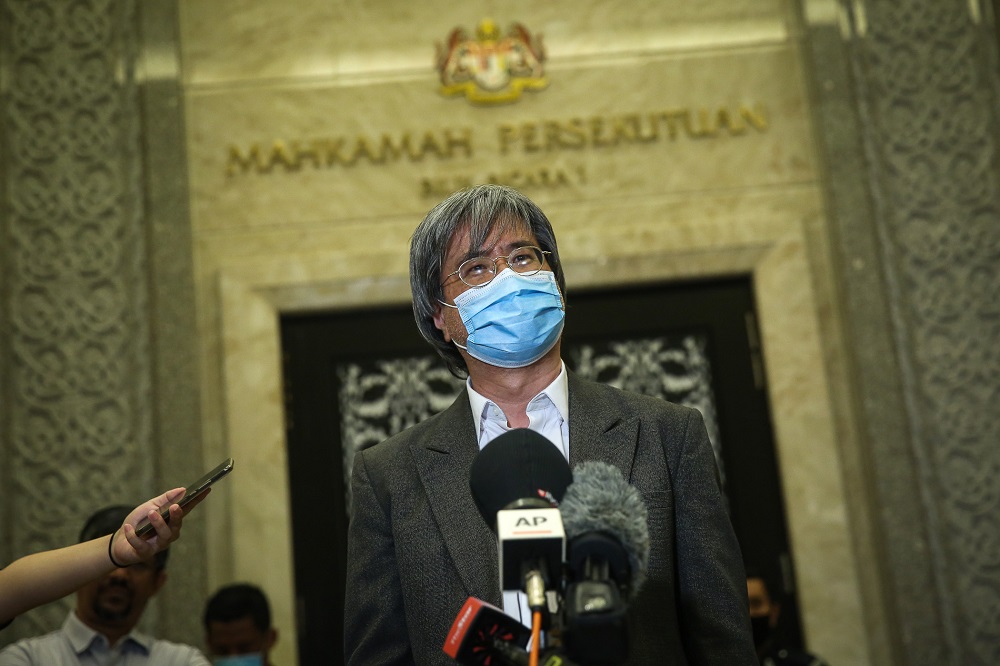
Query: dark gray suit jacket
[418, 548]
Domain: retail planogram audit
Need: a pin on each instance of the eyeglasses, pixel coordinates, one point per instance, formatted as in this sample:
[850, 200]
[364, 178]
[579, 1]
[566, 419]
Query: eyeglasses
[480, 271]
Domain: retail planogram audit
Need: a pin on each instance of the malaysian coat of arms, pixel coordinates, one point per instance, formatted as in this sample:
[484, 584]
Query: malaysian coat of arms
[491, 68]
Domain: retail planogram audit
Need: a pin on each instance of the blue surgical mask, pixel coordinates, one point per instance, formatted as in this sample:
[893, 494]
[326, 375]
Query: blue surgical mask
[514, 320]
[255, 659]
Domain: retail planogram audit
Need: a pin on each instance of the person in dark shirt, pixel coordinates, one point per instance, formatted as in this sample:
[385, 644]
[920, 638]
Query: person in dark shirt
[764, 614]
[238, 629]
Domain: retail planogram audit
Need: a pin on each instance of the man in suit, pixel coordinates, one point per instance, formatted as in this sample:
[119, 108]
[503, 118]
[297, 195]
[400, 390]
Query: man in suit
[488, 294]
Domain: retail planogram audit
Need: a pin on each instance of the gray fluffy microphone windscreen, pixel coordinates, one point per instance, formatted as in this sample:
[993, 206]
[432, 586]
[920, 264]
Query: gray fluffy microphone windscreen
[600, 500]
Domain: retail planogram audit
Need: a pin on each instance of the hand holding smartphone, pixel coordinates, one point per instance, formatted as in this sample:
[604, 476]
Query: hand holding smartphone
[145, 529]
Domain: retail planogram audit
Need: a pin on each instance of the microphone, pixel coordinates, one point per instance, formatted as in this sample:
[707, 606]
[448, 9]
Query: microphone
[607, 529]
[517, 480]
[483, 635]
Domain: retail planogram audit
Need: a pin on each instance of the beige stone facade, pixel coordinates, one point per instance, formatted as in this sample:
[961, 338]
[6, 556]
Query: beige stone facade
[670, 143]
[182, 173]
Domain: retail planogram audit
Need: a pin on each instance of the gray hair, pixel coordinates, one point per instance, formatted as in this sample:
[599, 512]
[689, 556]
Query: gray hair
[484, 210]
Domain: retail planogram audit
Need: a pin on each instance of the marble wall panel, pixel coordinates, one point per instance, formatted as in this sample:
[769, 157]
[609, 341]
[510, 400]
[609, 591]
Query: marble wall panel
[251, 279]
[228, 41]
[278, 155]
[277, 240]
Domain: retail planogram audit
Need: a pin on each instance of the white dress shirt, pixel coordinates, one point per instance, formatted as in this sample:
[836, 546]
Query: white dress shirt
[76, 644]
[548, 415]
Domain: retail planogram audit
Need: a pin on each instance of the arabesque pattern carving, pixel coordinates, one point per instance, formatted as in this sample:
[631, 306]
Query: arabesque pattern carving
[677, 370]
[933, 104]
[80, 379]
[386, 396]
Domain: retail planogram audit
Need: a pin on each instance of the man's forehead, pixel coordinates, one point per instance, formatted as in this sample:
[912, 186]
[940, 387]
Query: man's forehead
[237, 627]
[504, 230]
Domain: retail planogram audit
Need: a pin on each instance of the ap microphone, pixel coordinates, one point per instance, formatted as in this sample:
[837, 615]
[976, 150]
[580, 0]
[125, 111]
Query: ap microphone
[517, 481]
[608, 552]
[483, 635]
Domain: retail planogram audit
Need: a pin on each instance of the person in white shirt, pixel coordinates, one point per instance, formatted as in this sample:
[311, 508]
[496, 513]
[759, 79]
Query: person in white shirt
[48, 575]
[101, 630]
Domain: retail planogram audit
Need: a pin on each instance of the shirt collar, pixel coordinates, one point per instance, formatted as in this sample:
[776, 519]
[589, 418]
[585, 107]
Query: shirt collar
[81, 637]
[557, 392]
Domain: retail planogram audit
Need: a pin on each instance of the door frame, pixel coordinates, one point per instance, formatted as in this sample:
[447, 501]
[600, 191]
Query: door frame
[245, 416]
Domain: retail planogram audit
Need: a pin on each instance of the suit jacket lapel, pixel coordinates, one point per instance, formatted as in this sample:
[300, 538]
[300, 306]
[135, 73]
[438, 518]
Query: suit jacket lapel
[598, 431]
[443, 460]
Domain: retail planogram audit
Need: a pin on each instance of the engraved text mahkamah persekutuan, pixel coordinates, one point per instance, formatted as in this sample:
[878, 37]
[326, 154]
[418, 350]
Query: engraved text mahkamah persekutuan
[533, 137]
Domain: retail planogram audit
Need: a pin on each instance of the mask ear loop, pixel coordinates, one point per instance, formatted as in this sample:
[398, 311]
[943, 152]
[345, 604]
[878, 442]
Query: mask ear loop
[455, 307]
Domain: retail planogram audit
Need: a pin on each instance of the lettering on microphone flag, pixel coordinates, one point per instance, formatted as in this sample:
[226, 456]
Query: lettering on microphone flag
[523, 523]
[525, 535]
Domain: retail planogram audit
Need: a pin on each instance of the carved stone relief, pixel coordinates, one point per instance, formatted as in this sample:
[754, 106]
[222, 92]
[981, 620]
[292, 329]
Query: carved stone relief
[79, 379]
[927, 104]
[386, 396]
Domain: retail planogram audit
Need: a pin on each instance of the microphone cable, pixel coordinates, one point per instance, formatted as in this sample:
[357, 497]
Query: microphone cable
[536, 635]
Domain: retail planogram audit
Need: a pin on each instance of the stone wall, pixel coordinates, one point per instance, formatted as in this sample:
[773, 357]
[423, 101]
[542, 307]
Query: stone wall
[177, 175]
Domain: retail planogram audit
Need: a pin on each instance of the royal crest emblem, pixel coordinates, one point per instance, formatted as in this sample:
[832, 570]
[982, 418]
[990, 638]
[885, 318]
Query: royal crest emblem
[491, 69]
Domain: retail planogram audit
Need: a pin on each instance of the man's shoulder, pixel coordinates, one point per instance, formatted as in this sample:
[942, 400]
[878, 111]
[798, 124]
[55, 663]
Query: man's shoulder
[168, 653]
[587, 390]
[427, 429]
[51, 648]
[54, 649]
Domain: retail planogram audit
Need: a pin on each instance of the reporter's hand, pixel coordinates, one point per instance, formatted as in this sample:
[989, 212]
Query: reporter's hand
[129, 548]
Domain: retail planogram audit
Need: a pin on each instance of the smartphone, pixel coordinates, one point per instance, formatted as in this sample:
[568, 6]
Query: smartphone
[196, 489]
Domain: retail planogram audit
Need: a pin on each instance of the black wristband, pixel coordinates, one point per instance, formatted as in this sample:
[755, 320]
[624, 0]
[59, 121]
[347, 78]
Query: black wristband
[110, 556]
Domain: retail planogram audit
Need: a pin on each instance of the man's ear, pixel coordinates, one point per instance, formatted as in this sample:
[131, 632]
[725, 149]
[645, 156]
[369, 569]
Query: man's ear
[439, 321]
[270, 639]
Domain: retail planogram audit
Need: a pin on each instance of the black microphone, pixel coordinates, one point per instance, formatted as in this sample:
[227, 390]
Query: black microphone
[517, 480]
[483, 635]
[607, 530]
